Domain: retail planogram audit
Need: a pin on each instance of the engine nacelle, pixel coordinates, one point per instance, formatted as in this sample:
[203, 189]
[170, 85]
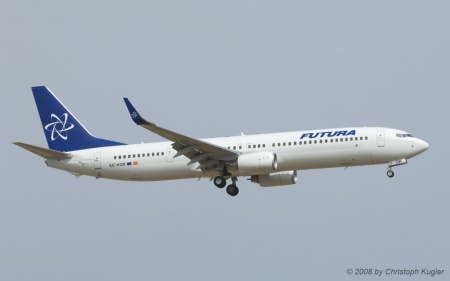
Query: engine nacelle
[258, 162]
[276, 179]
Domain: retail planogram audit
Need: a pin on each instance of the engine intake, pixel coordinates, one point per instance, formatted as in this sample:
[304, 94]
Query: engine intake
[258, 162]
[276, 179]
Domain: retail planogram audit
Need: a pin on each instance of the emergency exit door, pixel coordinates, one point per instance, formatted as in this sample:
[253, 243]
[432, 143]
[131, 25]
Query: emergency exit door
[169, 154]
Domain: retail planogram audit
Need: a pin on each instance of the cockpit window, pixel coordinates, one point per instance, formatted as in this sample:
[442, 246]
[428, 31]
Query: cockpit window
[404, 135]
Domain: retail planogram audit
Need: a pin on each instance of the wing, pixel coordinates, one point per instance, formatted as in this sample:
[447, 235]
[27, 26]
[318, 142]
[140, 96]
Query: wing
[208, 155]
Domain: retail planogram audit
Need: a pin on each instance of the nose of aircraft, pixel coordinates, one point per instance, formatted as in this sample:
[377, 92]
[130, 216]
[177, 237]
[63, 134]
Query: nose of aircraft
[421, 145]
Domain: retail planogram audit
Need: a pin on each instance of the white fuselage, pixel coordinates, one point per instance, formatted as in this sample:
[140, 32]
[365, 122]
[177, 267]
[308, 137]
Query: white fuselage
[298, 150]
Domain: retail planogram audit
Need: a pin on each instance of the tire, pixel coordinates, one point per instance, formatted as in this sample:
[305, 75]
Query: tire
[220, 182]
[390, 173]
[232, 190]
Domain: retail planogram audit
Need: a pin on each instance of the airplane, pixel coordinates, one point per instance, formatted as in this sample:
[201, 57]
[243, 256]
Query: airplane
[267, 159]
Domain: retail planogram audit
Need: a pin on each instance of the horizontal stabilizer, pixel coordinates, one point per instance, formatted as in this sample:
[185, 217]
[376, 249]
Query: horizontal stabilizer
[44, 152]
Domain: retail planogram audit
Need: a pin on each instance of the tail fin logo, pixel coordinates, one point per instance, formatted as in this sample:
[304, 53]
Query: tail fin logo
[59, 127]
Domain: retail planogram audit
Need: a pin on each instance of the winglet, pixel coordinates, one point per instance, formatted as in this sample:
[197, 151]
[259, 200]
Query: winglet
[137, 118]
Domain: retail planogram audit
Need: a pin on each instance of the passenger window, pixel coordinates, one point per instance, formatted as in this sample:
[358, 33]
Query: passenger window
[251, 146]
[273, 145]
[148, 154]
[310, 142]
[320, 141]
[264, 145]
[315, 141]
[234, 147]
[114, 157]
[139, 155]
[254, 146]
[162, 153]
[153, 154]
[331, 140]
[240, 147]
[279, 144]
[367, 138]
[157, 153]
[259, 146]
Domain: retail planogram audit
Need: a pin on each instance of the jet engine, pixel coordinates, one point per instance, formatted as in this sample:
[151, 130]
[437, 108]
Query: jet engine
[276, 179]
[258, 162]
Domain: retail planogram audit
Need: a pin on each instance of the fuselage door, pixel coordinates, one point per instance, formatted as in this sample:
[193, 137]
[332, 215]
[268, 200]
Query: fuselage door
[169, 154]
[97, 161]
[380, 138]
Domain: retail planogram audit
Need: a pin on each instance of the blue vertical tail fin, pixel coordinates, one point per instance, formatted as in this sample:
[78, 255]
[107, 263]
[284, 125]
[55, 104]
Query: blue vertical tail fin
[62, 130]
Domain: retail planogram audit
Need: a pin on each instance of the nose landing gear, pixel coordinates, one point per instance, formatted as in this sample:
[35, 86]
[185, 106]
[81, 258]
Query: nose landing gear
[390, 173]
[391, 164]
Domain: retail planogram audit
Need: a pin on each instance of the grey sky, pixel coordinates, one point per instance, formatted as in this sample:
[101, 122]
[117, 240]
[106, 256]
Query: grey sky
[216, 68]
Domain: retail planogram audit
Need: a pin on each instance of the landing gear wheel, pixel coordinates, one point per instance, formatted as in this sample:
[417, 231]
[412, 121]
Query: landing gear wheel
[232, 190]
[220, 182]
[390, 173]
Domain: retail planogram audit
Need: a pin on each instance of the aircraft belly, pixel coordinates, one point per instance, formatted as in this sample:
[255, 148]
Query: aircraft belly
[150, 171]
[304, 160]
[75, 166]
[385, 155]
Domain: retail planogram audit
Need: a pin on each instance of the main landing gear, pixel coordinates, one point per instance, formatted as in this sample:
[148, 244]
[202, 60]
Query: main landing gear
[232, 189]
[220, 182]
[391, 164]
